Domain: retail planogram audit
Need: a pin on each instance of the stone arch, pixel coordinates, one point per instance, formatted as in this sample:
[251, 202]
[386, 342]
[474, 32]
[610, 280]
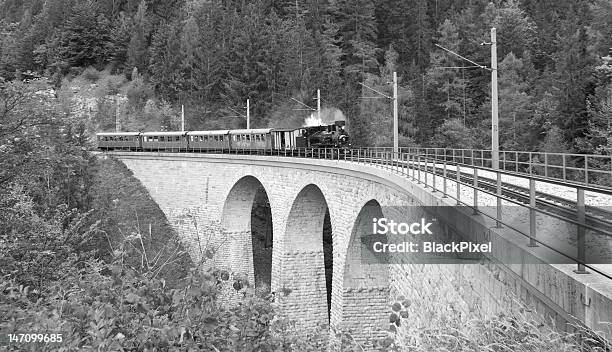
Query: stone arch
[306, 282]
[365, 290]
[246, 224]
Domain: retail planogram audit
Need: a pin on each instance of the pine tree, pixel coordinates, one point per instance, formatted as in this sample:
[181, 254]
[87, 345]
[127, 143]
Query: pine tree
[357, 30]
[85, 36]
[599, 134]
[120, 40]
[574, 83]
[190, 53]
[164, 64]
[448, 86]
[137, 49]
[515, 108]
[405, 25]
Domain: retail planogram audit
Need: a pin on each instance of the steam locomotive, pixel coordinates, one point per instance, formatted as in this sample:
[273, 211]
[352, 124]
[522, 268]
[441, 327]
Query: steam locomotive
[327, 136]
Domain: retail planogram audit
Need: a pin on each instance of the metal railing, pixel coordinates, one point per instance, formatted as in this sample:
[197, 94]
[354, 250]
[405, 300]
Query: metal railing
[423, 168]
[588, 169]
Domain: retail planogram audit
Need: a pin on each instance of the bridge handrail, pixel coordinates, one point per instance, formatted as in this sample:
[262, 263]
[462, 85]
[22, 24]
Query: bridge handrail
[589, 169]
[404, 162]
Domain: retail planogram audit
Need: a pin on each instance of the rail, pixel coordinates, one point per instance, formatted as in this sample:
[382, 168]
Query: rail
[422, 165]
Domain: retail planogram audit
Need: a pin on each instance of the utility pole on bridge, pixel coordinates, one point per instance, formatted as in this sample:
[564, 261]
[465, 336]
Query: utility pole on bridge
[248, 114]
[494, 103]
[494, 93]
[395, 117]
[395, 110]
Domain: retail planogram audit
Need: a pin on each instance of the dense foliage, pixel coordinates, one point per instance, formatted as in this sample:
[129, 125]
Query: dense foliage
[213, 55]
[85, 252]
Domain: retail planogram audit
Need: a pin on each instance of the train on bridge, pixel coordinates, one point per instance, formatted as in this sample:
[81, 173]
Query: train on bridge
[327, 136]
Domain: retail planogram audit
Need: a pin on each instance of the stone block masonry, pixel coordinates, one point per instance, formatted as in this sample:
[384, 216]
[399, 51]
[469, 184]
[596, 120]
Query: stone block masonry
[209, 200]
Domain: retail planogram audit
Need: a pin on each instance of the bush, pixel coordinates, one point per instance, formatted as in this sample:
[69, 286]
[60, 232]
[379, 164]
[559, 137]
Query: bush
[138, 92]
[109, 85]
[91, 74]
[74, 72]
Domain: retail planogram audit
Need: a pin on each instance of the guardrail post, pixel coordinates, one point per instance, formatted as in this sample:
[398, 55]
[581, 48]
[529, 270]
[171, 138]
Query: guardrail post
[530, 163]
[433, 175]
[444, 177]
[472, 158]
[458, 172]
[545, 164]
[387, 160]
[419, 168]
[397, 159]
[425, 170]
[564, 165]
[532, 213]
[586, 170]
[411, 165]
[499, 201]
[475, 190]
[516, 161]
[581, 243]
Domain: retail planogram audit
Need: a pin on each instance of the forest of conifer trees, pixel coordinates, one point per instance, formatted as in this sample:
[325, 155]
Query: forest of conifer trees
[555, 69]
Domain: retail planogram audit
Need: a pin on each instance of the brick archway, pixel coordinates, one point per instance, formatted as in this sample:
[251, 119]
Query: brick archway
[366, 283]
[246, 226]
[305, 281]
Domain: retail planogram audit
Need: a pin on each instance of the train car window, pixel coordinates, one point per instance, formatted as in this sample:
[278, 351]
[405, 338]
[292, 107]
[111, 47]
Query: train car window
[248, 137]
[161, 139]
[221, 138]
[257, 137]
[216, 138]
[178, 138]
[263, 137]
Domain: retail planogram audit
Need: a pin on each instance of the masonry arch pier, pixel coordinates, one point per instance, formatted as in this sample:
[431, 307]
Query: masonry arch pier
[245, 245]
[307, 259]
[365, 295]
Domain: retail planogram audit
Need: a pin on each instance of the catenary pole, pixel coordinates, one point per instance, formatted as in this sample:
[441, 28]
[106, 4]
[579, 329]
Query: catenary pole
[494, 103]
[248, 114]
[319, 104]
[395, 118]
[182, 118]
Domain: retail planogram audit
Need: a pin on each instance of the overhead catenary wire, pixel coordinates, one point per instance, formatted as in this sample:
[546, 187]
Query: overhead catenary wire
[374, 90]
[463, 57]
[299, 102]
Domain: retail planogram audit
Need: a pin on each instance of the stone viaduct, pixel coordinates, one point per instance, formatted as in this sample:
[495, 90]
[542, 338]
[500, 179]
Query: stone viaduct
[295, 225]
